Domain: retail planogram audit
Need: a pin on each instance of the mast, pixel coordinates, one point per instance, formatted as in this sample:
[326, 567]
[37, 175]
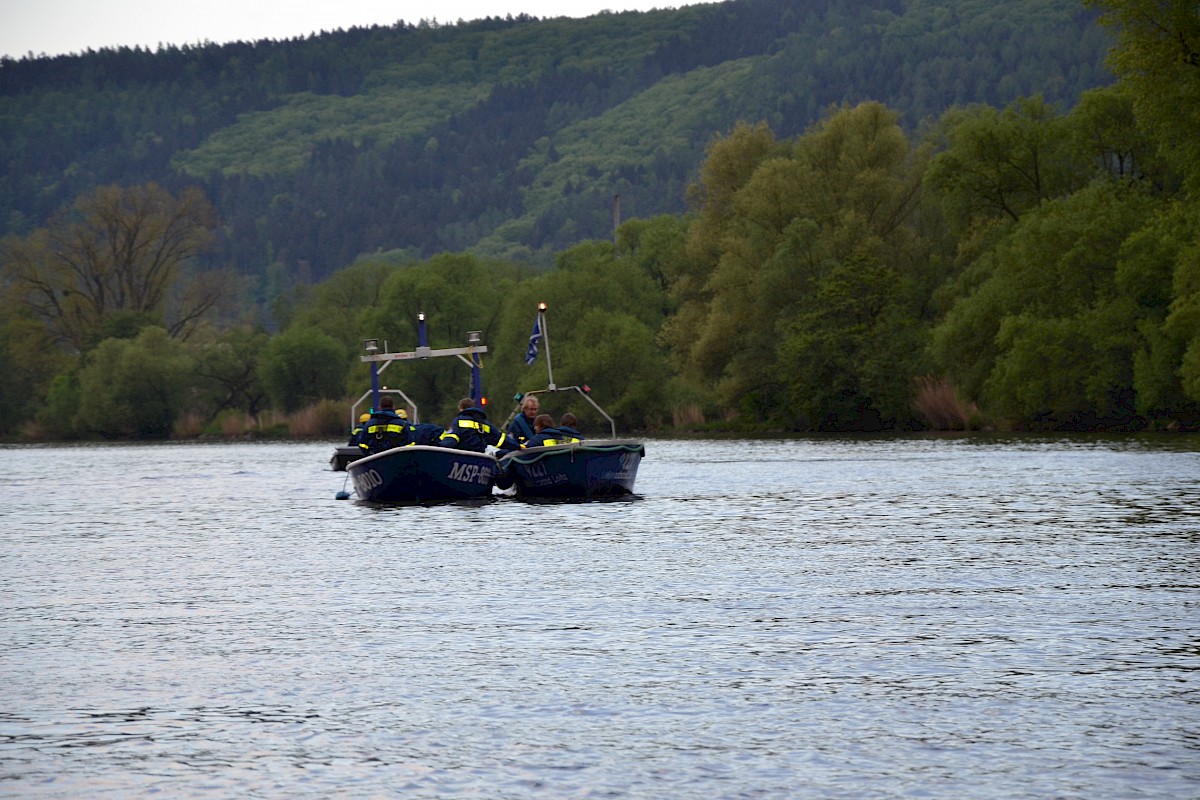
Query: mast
[546, 341]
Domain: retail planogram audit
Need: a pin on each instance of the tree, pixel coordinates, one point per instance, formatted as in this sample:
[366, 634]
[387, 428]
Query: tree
[116, 250]
[133, 387]
[1158, 56]
[997, 165]
[850, 356]
[302, 365]
[227, 369]
[844, 194]
[1056, 299]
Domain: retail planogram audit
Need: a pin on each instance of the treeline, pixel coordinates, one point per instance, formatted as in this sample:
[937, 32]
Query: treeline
[507, 138]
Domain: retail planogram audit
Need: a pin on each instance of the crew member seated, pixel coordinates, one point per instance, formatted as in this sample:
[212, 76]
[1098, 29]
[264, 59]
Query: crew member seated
[520, 430]
[569, 426]
[357, 430]
[384, 429]
[470, 430]
[425, 433]
[547, 436]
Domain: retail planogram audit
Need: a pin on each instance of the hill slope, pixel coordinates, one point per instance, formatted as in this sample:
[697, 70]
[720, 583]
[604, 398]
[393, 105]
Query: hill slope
[508, 137]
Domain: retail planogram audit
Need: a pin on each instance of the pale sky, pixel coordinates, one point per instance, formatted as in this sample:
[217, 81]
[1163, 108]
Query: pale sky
[54, 27]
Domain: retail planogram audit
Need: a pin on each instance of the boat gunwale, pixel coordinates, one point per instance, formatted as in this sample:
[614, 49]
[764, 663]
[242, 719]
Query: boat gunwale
[392, 451]
[532, 455]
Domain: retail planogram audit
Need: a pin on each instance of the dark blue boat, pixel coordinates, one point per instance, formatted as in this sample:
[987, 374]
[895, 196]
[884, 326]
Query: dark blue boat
[423, 475]
[580, 470]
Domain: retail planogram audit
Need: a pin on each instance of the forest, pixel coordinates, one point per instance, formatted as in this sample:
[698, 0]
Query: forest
[1030, 264]
[507, 138]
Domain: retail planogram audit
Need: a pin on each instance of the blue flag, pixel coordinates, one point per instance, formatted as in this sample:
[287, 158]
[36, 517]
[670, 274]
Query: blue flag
[531, 353]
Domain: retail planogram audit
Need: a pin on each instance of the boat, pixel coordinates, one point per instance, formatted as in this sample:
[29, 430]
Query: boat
[582, 470]
[423, 475]
[342, 456]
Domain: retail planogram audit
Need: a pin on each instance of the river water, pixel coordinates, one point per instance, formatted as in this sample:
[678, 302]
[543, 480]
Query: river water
[810, 618]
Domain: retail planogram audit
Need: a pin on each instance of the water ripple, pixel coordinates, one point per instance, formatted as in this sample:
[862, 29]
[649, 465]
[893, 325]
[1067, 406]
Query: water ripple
[816, 618]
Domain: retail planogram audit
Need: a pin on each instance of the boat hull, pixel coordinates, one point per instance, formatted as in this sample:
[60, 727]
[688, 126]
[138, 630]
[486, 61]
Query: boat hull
[421, 475]
[580, 470]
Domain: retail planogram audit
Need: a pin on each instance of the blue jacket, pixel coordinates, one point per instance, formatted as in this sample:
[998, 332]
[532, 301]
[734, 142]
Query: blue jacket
[570, 433]
[520, 430]
[383, 431]
[471, 430]
[552, 436]
[425, 433]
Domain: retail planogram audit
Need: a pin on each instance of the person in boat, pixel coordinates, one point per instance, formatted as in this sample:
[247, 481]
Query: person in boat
[362, 419]
[470, 430]
[520, 430]
[568, 425]
[384, 429]
[425, 433]
[547, 435]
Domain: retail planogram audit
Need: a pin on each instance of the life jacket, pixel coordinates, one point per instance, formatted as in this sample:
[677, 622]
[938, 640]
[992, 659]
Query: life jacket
[550, 437]
[470, 430]
[519, 430]
[383, 431]
[425, 433]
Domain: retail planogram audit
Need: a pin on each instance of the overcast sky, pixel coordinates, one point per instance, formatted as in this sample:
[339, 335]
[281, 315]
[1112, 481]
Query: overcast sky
[53, 27]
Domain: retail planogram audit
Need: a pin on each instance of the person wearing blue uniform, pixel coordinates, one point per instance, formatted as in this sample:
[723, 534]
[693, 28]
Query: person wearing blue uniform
[384, 429]
[568, 425]
[357, 430]
[520, 430]
[470, 430]
[425, 433]
[546, 435]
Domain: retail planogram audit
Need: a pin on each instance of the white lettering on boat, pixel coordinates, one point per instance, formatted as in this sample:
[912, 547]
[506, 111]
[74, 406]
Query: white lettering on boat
[364, 482]
[469, 473]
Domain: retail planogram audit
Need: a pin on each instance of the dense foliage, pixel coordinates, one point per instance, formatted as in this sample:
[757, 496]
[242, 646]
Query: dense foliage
[503, 137]
[1027, 264]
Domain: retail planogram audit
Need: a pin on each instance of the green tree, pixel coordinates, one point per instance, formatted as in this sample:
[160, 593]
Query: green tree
[997, 164]
[1158, 57]
[845, 193]
[227, 372]
[850, 356]
[133, 387]
[300, 366]
[604, 310]
[339, 305]
[116, 251]
[1052, 300]
[730, 163]
[457, 293]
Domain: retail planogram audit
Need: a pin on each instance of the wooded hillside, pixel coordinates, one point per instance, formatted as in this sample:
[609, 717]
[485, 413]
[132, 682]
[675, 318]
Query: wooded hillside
[503, 137]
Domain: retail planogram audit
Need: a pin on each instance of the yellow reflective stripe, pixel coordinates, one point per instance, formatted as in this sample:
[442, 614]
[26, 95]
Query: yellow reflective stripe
[470, 423]
[550, 442]
[448, 435]
[395, 428]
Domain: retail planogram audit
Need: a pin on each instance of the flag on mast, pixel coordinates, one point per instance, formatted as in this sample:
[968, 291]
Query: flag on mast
[531, 353]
